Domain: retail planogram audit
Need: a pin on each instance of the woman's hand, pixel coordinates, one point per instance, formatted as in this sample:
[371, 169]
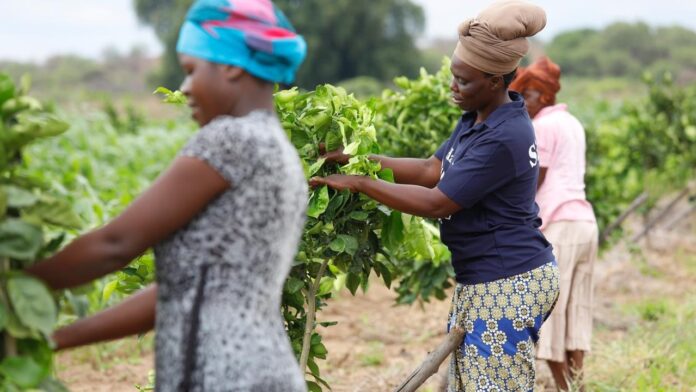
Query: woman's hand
[338, 182]
[334, 156]
[135, 315]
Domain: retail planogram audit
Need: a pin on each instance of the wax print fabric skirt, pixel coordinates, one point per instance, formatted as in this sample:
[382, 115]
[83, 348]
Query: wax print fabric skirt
[501, 320]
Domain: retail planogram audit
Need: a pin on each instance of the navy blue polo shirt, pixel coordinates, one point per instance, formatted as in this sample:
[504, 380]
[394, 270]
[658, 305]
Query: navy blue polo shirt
[490, 169]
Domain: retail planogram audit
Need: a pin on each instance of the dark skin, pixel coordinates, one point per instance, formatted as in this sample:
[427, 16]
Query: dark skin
[571, 368]
[415, 191]
[178, 195]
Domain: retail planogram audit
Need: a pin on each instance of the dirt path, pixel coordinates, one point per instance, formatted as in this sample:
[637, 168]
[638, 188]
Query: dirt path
[376, 344]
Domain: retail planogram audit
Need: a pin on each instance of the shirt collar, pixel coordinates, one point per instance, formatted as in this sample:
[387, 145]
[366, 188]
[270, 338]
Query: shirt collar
[561, 107]
[499, 115]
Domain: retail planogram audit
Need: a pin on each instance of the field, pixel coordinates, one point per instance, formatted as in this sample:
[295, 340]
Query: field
[351, 248]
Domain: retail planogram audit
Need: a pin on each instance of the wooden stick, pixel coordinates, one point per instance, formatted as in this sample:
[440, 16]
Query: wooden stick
[432, 361]
[661, 215]
[635, 204]
[675, 221]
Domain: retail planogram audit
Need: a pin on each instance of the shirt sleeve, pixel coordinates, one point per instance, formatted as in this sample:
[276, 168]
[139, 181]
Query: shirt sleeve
[440, 153]
[545, 141]
[225, 147]
[484, 168]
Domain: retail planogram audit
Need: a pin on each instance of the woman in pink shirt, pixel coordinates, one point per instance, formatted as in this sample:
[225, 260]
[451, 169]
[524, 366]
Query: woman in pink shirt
[568, 220]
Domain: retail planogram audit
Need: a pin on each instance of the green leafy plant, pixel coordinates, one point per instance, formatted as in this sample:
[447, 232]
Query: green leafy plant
[174, 97]
[30, 218]
[648, 146]
[416, 119]
[347, 236]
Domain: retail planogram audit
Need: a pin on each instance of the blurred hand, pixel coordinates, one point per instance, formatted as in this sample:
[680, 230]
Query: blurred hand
[334, 156]
[338, 182]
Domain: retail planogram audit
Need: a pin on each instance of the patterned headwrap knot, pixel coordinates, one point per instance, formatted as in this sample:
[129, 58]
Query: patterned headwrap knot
[496, 40]
[251, 34]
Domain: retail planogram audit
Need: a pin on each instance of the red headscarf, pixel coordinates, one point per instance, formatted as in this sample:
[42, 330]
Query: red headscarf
[543, 76]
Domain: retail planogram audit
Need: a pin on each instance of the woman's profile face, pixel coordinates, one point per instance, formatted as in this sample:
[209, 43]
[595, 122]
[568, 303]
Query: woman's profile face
[471, 88]
[206, 88]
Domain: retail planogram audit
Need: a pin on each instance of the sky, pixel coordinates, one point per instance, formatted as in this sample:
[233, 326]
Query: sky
[33, 30]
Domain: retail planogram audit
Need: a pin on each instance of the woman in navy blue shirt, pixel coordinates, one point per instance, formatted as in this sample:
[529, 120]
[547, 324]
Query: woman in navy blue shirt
[481, 184]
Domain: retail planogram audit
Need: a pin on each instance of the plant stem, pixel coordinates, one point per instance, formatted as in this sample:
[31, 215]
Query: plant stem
[311, 312]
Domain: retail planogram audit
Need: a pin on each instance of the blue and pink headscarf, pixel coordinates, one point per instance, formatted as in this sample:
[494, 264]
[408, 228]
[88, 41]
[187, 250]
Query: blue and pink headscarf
[251, 34]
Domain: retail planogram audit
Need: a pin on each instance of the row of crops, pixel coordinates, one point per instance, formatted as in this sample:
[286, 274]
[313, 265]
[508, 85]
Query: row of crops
[78, 179]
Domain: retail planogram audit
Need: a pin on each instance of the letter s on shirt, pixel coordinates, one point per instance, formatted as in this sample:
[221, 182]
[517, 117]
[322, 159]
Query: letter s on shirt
[533, 156]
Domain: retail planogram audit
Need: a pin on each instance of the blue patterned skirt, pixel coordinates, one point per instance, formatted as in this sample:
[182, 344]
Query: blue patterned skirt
[502, 321]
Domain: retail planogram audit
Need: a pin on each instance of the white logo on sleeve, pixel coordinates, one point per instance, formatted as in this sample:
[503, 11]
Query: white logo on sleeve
[533, 156]
[450, 156]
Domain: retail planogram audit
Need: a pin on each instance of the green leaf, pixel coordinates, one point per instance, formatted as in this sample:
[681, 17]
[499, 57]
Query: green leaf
[23, 371]
[326, 286]
[313, 367]
[174, 97]
[25, 84]
[300, 138]
[351, 148]
[353, 282]
[350, 244]
[109, 290]
[286, 96]
[386, 175]
[333, 141]
[393, 231]
[318, 202]
[20, 240]
[31, 126]
[7, 88]
[313, 387]
[18, 197]
[337, 245]
[386, 274]
[54, 212]
[33, 303]
[319, 350]
[17, 330]
[359, 215]
[294, 285]
[316, 166]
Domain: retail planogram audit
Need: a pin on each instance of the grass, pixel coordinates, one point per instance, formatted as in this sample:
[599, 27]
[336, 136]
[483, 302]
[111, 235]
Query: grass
[374, 356]
[657, 352]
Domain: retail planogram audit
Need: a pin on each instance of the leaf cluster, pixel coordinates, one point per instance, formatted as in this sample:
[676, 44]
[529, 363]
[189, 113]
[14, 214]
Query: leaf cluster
[29, 214]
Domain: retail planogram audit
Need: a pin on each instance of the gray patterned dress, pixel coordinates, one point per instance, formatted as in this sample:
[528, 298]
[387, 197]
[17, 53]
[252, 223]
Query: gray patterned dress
[220, 278]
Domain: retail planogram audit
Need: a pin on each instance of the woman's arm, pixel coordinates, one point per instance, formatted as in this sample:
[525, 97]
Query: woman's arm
[414, 171]
[411, 199]
[134, 315]
[178, 195]
[542, 176]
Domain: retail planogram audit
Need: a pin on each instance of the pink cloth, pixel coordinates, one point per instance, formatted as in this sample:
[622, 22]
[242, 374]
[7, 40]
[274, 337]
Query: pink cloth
[561, 148]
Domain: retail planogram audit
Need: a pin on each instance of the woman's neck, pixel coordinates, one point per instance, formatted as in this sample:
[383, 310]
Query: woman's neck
[258, 98]
[498, 101]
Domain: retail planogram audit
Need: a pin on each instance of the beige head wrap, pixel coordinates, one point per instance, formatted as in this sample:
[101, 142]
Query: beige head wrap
[496, 40]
